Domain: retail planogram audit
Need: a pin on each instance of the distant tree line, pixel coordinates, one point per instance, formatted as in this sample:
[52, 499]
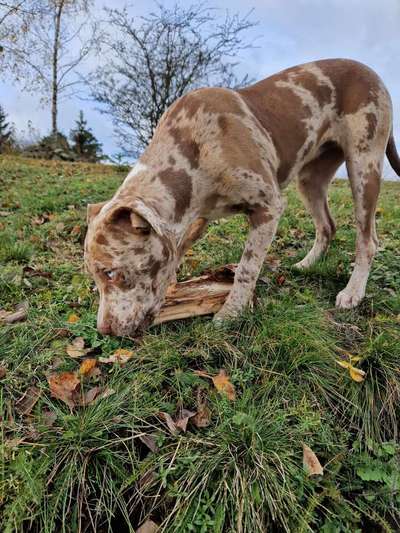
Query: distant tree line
[144, 63]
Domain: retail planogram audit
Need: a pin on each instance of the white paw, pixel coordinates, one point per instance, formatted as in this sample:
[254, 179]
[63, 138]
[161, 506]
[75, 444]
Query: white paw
[347, 299]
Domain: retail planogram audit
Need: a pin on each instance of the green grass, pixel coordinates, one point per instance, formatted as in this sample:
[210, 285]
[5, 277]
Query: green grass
[89, 470]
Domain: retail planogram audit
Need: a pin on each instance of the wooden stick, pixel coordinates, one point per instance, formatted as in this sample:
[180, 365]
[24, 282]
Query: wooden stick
[203, 295]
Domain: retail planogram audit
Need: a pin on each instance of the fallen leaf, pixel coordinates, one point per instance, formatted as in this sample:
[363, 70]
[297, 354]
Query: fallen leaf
[121, 356]
[87, 366]
[149, 441]
[76, 348]
[32, 272]
[49, 417]
[3, 372]
[203, 416]
[170, 423]
[105, 393]
[311, 463]
[27, 402]
[90, 395]
[20, 313]
[272, 263]
[76, 230]
[182, 421]
[73, 318]
[61, 332]
[222, 384]
[148, 527]
[356, 374]
[65, 386]
[280, 280]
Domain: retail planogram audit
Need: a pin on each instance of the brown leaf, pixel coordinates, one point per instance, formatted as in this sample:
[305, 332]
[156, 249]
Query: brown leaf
[149, 441]
[121, 356]
[20, 313]
[311, 463]
[27, 402]
[90, 395]
[76, 348]
[87, 366]
[222, 384]
[203, 416]
[3, 372]
[65, 386]
[61, 332]
[76, 230]
[49, 417]
[170, 423]
[32, 272]
[105, 393]
[182, 421]
[148, 527]
[280, 280]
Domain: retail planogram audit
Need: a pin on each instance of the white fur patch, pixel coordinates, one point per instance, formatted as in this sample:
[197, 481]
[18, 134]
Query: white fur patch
[137, 169]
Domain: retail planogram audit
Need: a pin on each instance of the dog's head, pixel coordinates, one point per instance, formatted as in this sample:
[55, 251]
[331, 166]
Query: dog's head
[131, 256]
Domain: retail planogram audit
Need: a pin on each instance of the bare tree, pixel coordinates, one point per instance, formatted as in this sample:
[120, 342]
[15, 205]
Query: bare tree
[155, 60]
[45, 56]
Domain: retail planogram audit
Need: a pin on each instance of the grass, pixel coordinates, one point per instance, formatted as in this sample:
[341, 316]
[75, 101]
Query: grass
[89, 468]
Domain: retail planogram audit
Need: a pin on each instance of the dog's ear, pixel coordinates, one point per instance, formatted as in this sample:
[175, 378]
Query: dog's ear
[93, 210]
[126, 219]
[150, 216]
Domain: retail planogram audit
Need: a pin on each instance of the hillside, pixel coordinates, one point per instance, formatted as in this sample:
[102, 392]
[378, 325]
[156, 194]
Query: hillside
[120, 453]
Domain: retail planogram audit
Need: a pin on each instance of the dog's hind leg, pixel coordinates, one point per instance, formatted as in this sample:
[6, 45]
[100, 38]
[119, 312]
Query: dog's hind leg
[365, 177]
[313, 183]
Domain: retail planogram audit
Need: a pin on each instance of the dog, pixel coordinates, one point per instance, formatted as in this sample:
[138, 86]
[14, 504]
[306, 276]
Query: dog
[217, 152]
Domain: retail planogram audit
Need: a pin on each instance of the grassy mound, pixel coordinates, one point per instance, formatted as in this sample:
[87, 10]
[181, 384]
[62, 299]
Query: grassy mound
[114, 463]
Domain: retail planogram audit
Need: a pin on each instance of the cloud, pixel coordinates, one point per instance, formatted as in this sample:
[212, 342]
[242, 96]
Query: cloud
[288, 33]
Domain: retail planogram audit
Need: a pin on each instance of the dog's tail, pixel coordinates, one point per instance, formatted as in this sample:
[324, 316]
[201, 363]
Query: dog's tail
[392, 154]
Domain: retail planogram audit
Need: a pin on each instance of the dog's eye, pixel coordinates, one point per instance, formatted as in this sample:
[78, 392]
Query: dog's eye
[110, 274]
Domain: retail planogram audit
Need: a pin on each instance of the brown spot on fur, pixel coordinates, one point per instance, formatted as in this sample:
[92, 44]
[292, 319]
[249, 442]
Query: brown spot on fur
[248, 254]
[356, 85]
[372, 123]
[309, 81]
[267, 100]
[179, 185]
[222, 124]
[372, 183]
[101, 239]
[186, 145]
[258, 217]
[171, 160]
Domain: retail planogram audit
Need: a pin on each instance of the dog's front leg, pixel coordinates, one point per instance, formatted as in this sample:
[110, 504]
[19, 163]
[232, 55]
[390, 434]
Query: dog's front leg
[263, 224]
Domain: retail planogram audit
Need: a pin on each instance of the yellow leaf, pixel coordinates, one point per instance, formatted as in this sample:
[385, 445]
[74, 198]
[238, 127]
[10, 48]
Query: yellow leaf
[311, 462]
[344, 364]
[121, 356]
[72, 319]
[222, 384]
[356, 374]
[86, 366]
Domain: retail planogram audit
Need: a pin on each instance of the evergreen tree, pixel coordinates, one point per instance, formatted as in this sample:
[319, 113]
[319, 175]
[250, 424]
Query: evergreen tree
[85, 144]
[5, 131]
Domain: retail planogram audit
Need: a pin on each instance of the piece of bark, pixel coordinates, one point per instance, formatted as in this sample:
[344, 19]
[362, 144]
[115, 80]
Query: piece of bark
[203, 295]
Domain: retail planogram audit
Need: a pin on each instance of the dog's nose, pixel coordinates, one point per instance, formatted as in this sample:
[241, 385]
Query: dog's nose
[104, 328]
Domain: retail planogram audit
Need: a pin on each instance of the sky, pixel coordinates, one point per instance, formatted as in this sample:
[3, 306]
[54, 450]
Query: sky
[288, 32]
